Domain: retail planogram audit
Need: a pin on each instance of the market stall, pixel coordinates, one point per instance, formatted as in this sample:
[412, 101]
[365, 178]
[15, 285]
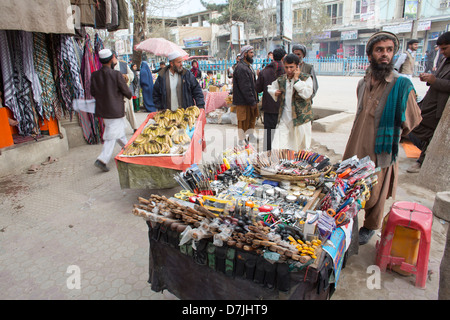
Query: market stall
[166, 143]
[216, 100]
[257, 225]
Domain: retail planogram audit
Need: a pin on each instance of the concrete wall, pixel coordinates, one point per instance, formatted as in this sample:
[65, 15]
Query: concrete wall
[19, 158]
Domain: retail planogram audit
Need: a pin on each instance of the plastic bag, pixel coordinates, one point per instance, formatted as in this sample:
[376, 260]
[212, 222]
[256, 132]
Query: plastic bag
[186, 236]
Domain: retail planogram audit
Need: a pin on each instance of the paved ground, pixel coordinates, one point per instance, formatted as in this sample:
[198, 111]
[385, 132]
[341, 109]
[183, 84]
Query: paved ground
[68, 219]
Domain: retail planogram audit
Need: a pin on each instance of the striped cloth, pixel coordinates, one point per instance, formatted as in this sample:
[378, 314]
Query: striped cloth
[9, 90]
[30, 73]
[43, 67]
[28, 124]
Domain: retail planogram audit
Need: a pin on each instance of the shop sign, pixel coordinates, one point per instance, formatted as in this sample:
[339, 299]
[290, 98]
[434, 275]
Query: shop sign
[434, 35]
[367, 16]
[324, 35]
[424, 25]
[349, 35]
[284, 15]
[193, 42]
[399, 28]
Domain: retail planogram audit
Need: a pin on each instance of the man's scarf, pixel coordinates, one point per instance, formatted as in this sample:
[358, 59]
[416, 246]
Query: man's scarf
[389, 129]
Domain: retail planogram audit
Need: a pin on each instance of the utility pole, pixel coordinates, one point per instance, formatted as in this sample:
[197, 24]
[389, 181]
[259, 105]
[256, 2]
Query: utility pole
[416, 20]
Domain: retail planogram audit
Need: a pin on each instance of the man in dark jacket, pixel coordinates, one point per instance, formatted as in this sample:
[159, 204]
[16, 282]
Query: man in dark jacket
[109, 88]
[270, 107]
[176, 87]
[244, 96]
[433, 104]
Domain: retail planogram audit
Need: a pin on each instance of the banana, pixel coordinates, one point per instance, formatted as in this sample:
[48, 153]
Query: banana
[153, 147]
[141, 139]
[169, 130]
[172, 114]
[151, 130]
[164, 138]
[193, 110]
[180, 137]
[173, 122]
[182, 126]
[165, 148]
[189, 120]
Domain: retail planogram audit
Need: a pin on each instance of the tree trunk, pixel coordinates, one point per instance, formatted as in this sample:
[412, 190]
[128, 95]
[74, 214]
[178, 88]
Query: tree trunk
[139, 28]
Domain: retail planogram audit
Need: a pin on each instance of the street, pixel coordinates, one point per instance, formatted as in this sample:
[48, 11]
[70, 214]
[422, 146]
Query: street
[67, 231]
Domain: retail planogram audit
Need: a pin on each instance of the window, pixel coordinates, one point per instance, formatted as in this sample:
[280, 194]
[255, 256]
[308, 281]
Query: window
[301, 18]
[334, 11]
[364, 9]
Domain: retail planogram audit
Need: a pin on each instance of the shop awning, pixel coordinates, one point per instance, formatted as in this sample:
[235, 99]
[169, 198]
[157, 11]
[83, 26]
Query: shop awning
[37, 16]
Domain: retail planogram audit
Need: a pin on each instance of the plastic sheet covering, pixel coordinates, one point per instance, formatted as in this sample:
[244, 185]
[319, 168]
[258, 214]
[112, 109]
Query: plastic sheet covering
[136, 176]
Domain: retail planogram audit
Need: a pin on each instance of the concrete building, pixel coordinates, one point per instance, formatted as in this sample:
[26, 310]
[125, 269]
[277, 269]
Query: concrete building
[352, 22]
[345, 32]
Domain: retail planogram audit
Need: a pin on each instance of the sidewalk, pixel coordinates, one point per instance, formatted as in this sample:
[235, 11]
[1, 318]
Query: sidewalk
[69, 213]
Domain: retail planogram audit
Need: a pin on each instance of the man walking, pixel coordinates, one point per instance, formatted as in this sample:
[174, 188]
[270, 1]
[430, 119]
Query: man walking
[387, 109]
[405, 62]
[300, 51]
[433, 104]
[270, 107]
[176, 87]
[244, 96]
[293, 90]
[109, 88]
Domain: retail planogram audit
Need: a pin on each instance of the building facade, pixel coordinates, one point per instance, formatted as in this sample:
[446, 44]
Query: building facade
[351, 22]
[347, 26]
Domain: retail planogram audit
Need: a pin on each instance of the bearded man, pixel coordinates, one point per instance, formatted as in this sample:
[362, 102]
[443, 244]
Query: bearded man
[109, 88]
[176, 87]
[387, 109]
[245, 97]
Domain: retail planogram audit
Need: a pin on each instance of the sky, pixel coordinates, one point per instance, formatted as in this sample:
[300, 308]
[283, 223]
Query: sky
[188, 7]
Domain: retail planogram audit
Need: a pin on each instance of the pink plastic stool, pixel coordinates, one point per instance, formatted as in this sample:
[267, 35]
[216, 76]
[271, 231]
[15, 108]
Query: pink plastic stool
[414, 216]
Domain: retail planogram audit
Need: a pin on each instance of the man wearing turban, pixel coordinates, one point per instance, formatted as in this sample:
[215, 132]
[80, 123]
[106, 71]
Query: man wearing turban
[245, 97]
[387, 109]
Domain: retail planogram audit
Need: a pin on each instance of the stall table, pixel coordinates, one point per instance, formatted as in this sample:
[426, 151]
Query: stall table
[156, 172]
[191, 277]
[215, 100]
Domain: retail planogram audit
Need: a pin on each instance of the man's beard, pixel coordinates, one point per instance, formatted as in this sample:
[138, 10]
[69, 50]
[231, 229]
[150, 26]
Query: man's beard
[175, 69]
[381, 70]
[249, 60]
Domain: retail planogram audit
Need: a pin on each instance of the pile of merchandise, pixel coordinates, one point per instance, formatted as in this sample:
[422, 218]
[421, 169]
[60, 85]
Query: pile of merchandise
[169, 132]
[229, 204]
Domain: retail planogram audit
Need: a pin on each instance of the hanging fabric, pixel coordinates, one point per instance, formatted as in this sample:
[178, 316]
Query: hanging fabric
[58, 74]
[71, 69]
[92, 126]
[30, 73]
[43, 67]
[9, 90]
[28, 125]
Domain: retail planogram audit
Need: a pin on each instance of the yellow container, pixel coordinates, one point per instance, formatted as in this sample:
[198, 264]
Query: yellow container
[405, 244]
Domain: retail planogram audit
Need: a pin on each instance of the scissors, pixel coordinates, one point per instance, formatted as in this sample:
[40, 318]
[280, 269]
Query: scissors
[339, 218]
[181, 196]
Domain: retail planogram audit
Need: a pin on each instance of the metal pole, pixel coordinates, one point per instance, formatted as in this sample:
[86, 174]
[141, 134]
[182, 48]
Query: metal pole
[416, 20]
